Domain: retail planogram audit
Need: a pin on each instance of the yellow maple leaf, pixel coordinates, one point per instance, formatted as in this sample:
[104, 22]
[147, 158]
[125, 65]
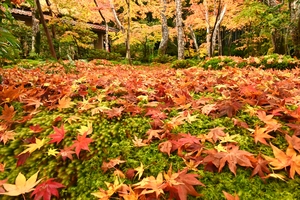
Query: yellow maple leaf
[21, 186]
[86, 129]
[52, 152]
[140, 170]
[34, 146]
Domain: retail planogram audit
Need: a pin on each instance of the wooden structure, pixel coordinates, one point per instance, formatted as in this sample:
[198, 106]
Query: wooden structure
[26, 16]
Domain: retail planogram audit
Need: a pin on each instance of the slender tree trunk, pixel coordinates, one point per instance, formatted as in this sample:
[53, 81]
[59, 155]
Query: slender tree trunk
[207, 29]
[128, 55]
[116, 16]
[164, 29]
[295, 20]
[52, 15]
[219, 19]
[220, 47]
[180, 34]
[106, 27]
[49, 39]
[35, 28]
[195, 41]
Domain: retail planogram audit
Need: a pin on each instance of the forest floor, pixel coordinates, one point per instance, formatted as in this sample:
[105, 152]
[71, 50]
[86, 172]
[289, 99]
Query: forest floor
[141, 132]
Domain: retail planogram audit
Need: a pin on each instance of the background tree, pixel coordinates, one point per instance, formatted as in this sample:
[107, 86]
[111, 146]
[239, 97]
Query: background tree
[179, 27]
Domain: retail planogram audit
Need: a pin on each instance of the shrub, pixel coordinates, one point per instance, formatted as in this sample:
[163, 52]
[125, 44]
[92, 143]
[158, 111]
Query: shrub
[101, 54]
[163, 58]
[180, 64]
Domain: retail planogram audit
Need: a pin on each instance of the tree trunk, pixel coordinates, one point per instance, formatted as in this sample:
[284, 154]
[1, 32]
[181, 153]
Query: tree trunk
[128, 55]
[179, 25]
[164, 30]
[106, 27]
[35, 28]
[195, 41]
[116, 16]
[207, 29]
[220, 46]
[49, 39]
[51, 13]
[295, 32]
[219, 19]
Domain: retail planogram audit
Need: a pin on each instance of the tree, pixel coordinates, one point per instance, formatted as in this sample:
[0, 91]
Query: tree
[180, 33]
[49, 39]
[164, 29]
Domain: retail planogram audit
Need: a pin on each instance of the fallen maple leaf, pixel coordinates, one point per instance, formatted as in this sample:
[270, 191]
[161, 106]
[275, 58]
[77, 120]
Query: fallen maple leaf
[111, 164]
[181, 184]
[66, 153]
[139, 170]
[8, 113]
[21, 186]
[216, 133]
[137, 142]
[232, 156]
[34, 146]
[46, 189]
[2, 167]
[58, 136]
[151, 185]
[36, 128]
[230, 197]
[283, 160]
[165, 147]
[260, 167]
[261, 134]
[294, 142]
[64, 102]
[7, 135]
[82, 142]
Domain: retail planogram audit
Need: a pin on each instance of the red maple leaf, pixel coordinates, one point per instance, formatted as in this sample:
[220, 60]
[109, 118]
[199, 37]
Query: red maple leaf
[260, 167]
[232, 157]
[294, 142]
[181, 184]
[46, 189]
[66, 153]
[22, 158]
[215, 133]
[59, 134]
[82, 142]
[36, 128]
[114, 112]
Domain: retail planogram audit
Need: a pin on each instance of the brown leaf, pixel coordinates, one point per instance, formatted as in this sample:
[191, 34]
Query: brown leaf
[111, 164]
[165, 147]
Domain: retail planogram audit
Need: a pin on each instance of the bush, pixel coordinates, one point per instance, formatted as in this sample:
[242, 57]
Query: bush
[181, 64]
[163, 58]
[101, 54]
[273, 61]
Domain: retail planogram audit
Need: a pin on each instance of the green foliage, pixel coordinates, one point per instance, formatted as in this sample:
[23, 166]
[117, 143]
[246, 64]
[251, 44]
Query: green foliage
[8, 46]
[163, 58]
[92, 54]
[181, 64]
[217, 63]
[273, 61]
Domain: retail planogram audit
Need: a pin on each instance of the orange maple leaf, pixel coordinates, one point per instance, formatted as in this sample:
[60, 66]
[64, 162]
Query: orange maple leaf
[230, 197]
[261, 134]
[283, 160]
[8, 113]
